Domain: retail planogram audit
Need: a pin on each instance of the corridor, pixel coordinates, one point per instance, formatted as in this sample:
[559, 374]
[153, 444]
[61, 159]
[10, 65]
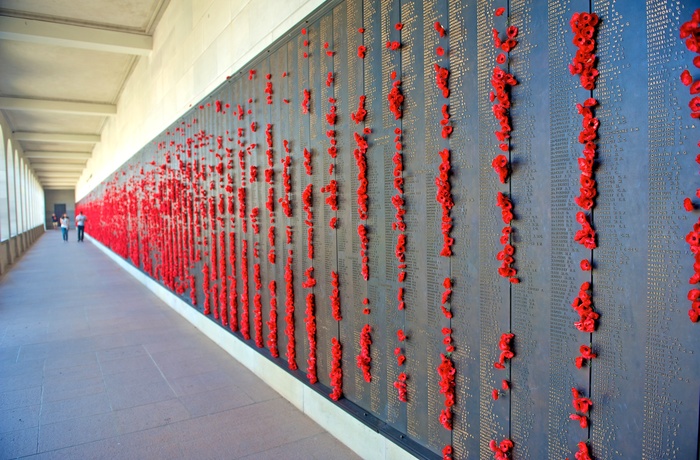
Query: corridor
[93, 365]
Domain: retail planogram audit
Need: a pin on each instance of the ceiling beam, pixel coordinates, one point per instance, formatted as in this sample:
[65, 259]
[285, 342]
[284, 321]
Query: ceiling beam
[58, 185]
[57, 137]
[36, 162]
[47, 105]
[51, 33]
[58, 181]
[53, 155]
[58, 175]
[57, 167]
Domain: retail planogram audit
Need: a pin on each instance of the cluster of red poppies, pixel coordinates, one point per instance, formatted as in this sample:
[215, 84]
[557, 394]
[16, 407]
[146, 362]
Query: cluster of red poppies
[306, 197]
[269, 171]
[447, 452]
[332, 198]
[364, 359]
[399, 226]
[245, 302]
[585, 236]
[502, 81]
[441, 76]
[360, 154]
[254, 213]
[268, 91]
[505, 256]
[502, 450]
[257, 318]
[693, 240]
[446, 371]
[446, 295]
[332, 117]
[336, 373]
[309, 281]
[583, 25]
[400, 357]
[447, 340]
[305, 54]
[587, 137]
[359, 116]
[271, 254]
[272, 321]
[401, 387]
[289, 312]
[500, 165]
[307, 161]
[329, 53]
[329, 79]
[233, 292]
[505, 345]
[583, 305]
[586, 354]
[393, 45]
[310, 321]
[584, 452]
[364, 245]
[335, 296]
[257, 303]
[444, 197]
[306, 102]
[496, 393]
[398, 201]
[690, 32]
[205, 287]
[223, 305]
[395, 98]
[581, 407]
[400, 253]
[242, 208]
[445, 122]
[400, 299]
[287, 186]
[361, 51]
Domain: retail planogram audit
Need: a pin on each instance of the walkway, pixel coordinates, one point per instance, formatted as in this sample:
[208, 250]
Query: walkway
[93, 365]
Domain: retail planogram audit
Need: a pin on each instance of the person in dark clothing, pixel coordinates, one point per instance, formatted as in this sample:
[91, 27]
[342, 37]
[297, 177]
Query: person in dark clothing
[80, 225]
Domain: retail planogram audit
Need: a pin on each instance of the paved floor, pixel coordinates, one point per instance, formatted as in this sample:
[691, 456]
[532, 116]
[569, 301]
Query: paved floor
[93, 365]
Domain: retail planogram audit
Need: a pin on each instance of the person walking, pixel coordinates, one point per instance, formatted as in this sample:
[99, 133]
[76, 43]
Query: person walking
[54, 221]
[80, 225]
[65, 223]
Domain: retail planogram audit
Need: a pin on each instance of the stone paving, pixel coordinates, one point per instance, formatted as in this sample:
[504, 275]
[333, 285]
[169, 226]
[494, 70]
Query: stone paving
[94, 366]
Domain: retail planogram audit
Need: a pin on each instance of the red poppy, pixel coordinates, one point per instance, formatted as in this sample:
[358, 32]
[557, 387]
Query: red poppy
[688, 205]
[439, 29]
[686, 79]
[500, 11]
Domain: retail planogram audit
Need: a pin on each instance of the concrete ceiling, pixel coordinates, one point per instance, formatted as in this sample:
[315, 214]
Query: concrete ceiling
[63, 65]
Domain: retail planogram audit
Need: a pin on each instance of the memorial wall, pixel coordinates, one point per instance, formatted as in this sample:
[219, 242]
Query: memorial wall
[469, 223]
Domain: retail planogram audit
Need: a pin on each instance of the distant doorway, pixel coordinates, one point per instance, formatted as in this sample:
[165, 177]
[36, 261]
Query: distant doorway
[59, 209]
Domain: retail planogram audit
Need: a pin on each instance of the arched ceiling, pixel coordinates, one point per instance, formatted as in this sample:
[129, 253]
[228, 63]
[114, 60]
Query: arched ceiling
[63, 65]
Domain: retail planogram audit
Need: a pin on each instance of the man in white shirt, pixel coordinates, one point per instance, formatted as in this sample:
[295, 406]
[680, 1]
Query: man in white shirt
[80, 225]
